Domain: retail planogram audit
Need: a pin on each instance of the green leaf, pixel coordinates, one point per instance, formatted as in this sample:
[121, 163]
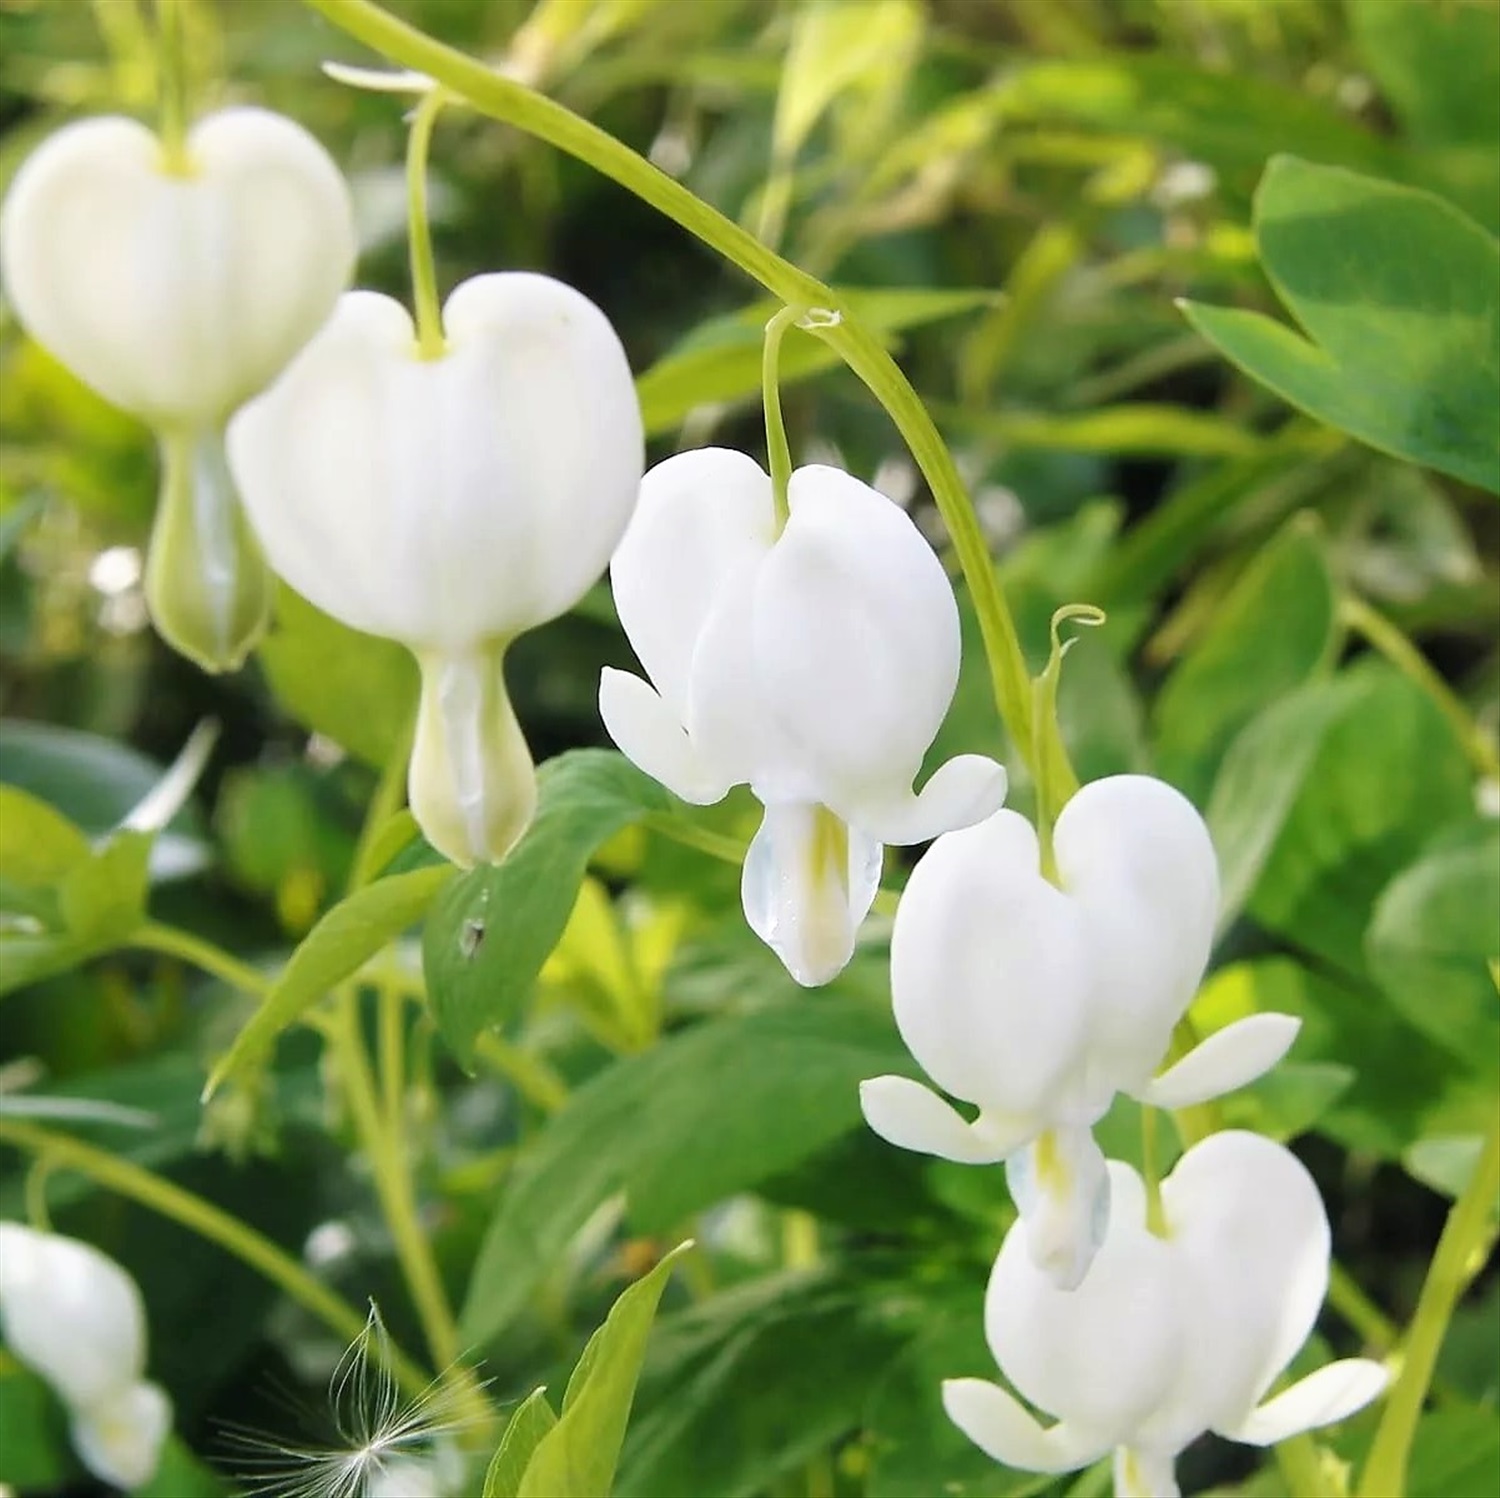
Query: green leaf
[528, 1423]
[1273, 631]
[1259, 781]
[1436, 928]
[754, 1383]
[336, 948]
[1398, 295]
[34, 1452]
[180, 1474]
[353, 688]
[719, 363]
[38, 845]
[578, 1456]
[15, 519]
[1456, 1450]
[709, 1111]
[490, 933]
[1349, 833]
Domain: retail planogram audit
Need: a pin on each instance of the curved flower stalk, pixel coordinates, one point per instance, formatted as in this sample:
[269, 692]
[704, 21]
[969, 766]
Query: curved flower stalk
[177, 290]
[1170, 1336]
[75, 1317]
[813, 663]
[1038, 1001]
[450, 503]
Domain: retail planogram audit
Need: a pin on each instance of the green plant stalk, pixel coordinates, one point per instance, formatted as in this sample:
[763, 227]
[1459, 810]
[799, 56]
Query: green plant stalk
[171, 941]
[1448, 1276]
[172, 85]
[210, 1222]
[389, 797]
[778, 453]
[381, 1142]
[505, 99]
[424, 294]
[1382, 635]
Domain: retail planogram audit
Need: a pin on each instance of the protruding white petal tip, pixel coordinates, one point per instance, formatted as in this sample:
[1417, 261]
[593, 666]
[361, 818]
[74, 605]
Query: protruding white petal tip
[380, 80]
[913, 1117]
[1331, 1394]
[1228, 1059]
[646, 731]
[996, 1423]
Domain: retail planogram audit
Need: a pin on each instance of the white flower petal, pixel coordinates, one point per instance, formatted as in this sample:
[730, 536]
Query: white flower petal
[119, 1438]
[1228, 1059]
[1251, 1239]
[989, 971]
[1002, 1429]
[1102, 1357]
[1331, 1394]
[965, 790]
[450, 501]
[914, 1117]
[1061, 1188]
[856, 637]
[809, 880]
[177, 296]
[1136, 857]
[379, 80]
[649, 734]
[701, 516]
[70, 1313]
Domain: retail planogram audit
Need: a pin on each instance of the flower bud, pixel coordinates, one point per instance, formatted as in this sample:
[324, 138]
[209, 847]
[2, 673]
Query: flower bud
[76, 1318]
[450, 503]
[178, 292]
[814, 665]
[1038, 1002]
[1169, 1337]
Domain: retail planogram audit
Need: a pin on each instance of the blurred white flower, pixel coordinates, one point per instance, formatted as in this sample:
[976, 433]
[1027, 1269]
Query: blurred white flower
[450, 503]
[1038, 1001]
[178, 291]
[814, 664]
[75, 1317]
[1170, 1336]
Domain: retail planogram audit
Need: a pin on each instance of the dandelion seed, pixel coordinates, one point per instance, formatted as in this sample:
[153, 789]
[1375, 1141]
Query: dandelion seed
[383, 1445]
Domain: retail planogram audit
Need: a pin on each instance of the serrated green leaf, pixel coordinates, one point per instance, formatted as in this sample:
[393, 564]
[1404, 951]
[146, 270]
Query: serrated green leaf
[491, 931]
[528, 1423]
[1398, 298]
[707, 1112]
[578, 1456]
[336, 948]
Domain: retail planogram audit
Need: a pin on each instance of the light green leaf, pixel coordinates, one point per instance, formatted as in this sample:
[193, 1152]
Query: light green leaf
[1259, 781]
[578, 1456]
[1398, 296]
[336, 948]
[490, 933]
[34, 1452]
[1456, 1450]
[528, 1423]
[708, 1112]
[353, 688]
[38, 845]
[719, 363]
[15, 519]
[1436, 927]
[1273, 631]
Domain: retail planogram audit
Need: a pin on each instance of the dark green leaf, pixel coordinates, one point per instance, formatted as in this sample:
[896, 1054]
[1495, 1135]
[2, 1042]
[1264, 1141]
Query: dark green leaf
[489, 934]
[708, 1112]
[1398, 295]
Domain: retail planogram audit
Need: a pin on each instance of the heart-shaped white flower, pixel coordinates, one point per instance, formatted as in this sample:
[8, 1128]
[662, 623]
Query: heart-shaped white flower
[450, 503]
[177, 291]
[76, 1318]
[1170, 1336]
[1039, 1001]
[814, 664]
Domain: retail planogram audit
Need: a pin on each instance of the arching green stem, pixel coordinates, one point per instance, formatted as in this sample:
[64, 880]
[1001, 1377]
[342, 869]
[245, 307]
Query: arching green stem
[778, 453]
[172, 85]
[424, 294]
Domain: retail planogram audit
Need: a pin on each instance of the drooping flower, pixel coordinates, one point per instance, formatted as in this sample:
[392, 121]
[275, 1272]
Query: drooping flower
[75, 1317]
[1169, 1337]
[450, 503]
[1040, 1001]
[814, 664]
[179, 288]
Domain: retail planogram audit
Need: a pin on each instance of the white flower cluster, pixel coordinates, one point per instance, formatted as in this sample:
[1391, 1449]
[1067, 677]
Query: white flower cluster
[804, 644]
[75, 1317]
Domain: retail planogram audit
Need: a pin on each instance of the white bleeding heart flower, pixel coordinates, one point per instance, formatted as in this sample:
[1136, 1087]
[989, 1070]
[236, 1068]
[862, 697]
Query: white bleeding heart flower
[1169, 1337]
[814, 664]
[179, 288]
[1038, 1001]
[450, 503]
[75, 1317]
